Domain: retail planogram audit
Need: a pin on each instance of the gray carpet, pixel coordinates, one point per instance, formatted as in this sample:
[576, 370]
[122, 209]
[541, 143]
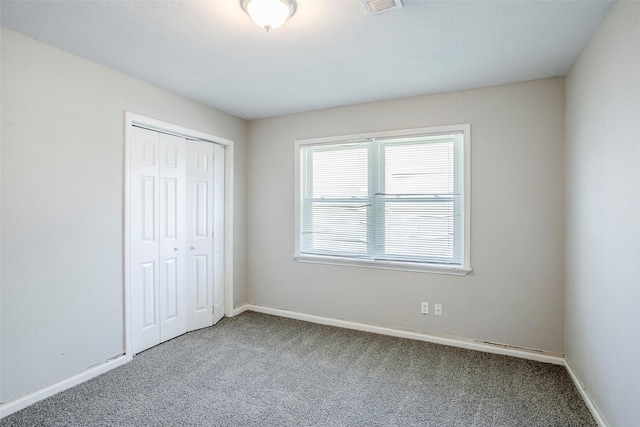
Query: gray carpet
[260, 370]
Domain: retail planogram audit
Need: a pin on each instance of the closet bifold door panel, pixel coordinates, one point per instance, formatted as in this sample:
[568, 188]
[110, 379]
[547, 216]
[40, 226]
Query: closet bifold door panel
[173, 319]
[175, 236]
[218, 232]
[157, 238]
[199, 234]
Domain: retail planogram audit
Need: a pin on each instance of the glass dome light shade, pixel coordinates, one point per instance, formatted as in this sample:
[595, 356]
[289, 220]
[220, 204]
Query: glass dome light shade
[269, 14]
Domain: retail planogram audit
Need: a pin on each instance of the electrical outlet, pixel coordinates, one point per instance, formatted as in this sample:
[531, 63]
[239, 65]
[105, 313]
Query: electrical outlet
[424, 308]
[437, 309]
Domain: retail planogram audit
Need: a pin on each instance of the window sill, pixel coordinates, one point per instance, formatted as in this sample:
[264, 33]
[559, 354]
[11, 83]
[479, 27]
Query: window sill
[385, 265]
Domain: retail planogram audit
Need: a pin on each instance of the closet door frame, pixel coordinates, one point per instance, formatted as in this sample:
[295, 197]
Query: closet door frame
[152, 124]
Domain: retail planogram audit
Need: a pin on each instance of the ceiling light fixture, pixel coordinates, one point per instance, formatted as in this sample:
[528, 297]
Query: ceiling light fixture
[269, 14]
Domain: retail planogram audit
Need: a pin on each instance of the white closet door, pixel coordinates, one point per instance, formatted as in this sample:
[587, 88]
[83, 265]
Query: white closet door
[144, 225]
[176, 222]
[199, 221]
[173, 319]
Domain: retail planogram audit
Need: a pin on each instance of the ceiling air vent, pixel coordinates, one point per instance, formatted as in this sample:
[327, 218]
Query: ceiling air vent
[373, 7]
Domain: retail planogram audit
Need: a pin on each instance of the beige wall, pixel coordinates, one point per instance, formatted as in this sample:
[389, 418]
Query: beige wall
[62, 207]
[602, 325]
[515, 294]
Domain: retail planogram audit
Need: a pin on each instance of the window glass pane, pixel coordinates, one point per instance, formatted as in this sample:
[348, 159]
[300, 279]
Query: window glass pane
[340, 172]
[419, 230]
[419, 169]
[336, 228]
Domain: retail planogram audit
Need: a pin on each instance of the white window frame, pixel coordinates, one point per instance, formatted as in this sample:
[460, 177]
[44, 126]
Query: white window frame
[460, 270]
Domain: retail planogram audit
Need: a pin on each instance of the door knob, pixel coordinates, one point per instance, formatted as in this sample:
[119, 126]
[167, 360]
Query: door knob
[193, 247]
[175, 249]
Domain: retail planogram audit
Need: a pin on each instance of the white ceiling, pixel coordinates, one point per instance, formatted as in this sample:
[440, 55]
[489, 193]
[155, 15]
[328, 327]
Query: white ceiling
[330, 53]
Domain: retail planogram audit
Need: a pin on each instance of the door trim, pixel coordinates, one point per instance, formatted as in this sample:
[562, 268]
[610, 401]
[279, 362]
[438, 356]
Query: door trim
[132, 119]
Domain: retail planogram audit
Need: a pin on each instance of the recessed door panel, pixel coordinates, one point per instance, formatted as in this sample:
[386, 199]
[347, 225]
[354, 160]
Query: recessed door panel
[170, 157]
[171, 288]
[170, 208]
[201, 209]
[148, 206]
[202, 160]
[148, 151]
[148, 288]
[201, 280]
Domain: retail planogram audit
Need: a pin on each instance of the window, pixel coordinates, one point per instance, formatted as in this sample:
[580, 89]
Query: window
[391, 200]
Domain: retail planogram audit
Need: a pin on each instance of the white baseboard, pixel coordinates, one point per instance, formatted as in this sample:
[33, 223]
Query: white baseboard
[585, 395]
[25, 400]
[239, 310]
[540, 356]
